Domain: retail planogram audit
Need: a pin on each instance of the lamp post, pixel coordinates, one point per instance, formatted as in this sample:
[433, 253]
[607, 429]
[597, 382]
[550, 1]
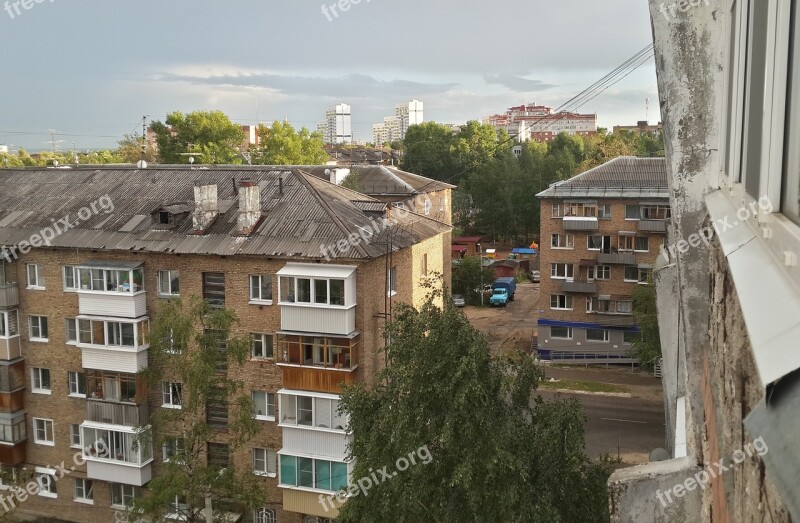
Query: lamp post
[480, 262]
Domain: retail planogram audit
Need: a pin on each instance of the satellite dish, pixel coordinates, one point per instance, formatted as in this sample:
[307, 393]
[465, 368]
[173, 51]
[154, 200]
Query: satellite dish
[659, 454]
[191, 159]
[55, 163]
[141, 164]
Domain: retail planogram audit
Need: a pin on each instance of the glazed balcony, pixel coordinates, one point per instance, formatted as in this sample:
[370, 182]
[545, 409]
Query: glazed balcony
[9, 295]
[111, 288]
[13, 437]
[113, 455]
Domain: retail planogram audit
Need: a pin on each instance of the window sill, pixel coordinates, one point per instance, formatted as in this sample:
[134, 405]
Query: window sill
[168, 296]
[265, 418]
[43, 494]
[174, 407]
[73, 343]
[45, 443]
[35, 288]
[73, 289]
[39, 340]
[265, 474]
[260, 302]
[77, 396]
[565, 248]
[43, 392]
[76, 447]
[84, 501]
[268, 359]
[392, 293]
[555, 309]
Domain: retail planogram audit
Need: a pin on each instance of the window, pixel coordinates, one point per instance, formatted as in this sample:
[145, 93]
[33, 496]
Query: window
[169, 283]
[287, 289]
[583, 210]
[13, 429]
[46, 478]
[262, 346]
[75, 436]
[172, 448]
[218, 455]
[217, 409]
[645, 276]
[264, 515]
[626, 243]
[303, 290]
[40, 378]
[561, 271]
[391, 281]
[9, 323]
[337, 292]
[630, 337]
[114, 445]
[632, 212]
[71, 330]
[261, 288]
[120, 334]
[122, 495]
[604, 211]
[35, 277]
[599, 272]
[77, 384]
[307, 411]
[70, 278]
[555, 211]
[563, 241]
[214, 288]
[84, 491]
[561, 333]
[655, 212]
[625, 307]
[263, 405]
[111, 386]
[313, 473]
[594, 242]
[561, 301]
[38, 328]
[321, 292]
[265, 462]
[631, 274]
[642, 244]
[597, 335]
[171, 395]
[43, 431]
[427, 207]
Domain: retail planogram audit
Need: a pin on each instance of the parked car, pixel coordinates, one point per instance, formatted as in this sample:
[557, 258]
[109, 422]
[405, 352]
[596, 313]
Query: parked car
[507, 283]
[535, 276]
[499, 297]
[458, 300]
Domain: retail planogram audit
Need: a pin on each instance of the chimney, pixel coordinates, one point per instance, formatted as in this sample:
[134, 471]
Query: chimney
[249, 206]
[205, 206]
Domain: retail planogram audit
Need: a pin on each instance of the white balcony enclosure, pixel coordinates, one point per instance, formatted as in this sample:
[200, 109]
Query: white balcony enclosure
[113, 345]
[111, 288]
[112, 455]
[309, 442]
[317, 298]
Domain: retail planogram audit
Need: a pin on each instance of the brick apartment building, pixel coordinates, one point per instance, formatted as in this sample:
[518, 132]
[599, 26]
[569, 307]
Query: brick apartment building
[601, 232]
[75, 316]
[540, 123]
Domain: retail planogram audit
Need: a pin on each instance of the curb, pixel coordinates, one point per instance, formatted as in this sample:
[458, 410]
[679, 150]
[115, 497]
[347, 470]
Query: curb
[588, 393]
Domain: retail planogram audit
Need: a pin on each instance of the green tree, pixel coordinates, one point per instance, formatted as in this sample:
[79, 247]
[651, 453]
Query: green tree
[210, 135]
[496, 452]
[647, 344]
[193, 345]
[427, 151]
[467, 279]
[282, 145]
[10, 160]
[130, 149]
[476, 145]
[351, 182]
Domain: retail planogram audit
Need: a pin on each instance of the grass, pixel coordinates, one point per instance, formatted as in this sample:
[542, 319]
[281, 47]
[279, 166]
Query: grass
[588, 386]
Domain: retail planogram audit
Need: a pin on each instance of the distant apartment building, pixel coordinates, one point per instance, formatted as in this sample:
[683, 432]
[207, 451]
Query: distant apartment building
[601, 232]
[540, 123]
[337, 128]
[641, 127]
[395, 127]
[275, 246]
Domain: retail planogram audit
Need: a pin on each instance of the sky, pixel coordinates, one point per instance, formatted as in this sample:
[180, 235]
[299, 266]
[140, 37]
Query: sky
[90, 69]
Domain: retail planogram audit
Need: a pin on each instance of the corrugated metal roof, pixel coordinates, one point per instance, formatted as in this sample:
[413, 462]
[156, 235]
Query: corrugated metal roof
[625, 176]
[379, 180]
[308, 213]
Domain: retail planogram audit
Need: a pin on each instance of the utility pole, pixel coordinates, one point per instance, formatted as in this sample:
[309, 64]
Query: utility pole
[144, 136]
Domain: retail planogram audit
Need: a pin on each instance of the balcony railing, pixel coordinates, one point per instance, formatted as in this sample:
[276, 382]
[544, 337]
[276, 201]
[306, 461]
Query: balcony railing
[126, 414]
[580, 223]
[616, 258]
[9, 295]
[579, 287]
[653, 226]
[308, 318]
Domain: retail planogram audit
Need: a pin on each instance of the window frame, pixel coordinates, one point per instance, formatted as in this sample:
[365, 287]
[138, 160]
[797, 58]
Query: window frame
[42, 325]
[267, 397]
[37, 273]
[254, 339]
[269, 457]
[89, 500]
[123, 495]
[74, 378]
[47, 431]
[72, 443]
[636, 243]
[75, 282]
[569, 302]
[606, 335]
[38, 375]
[260, 299]
[569, 241]
[170, 391]
[170, 292]
[568, 331]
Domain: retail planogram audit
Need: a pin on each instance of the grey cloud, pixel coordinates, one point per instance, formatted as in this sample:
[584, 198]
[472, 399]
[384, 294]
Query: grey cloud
[516, 82]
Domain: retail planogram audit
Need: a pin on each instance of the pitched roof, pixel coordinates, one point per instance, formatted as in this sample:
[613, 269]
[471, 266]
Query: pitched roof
[379, 180]
[310, 212]
[625, 176]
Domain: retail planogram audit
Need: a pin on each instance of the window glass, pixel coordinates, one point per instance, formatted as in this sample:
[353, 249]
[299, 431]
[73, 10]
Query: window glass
[303, 290]
[321, 291]
[337, 292]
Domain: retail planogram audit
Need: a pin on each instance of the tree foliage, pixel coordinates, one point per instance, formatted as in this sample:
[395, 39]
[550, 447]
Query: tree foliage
[498, 453]
[280, 144]
[468, 277]
[192, 344]
[130, 149]
[210, 136]
[647, 345]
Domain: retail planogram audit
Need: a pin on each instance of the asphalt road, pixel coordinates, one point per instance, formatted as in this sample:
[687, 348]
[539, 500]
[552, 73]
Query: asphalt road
[631, 426]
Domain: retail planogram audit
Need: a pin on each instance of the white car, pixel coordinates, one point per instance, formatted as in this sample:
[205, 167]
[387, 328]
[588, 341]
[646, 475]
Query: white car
[536, 276]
